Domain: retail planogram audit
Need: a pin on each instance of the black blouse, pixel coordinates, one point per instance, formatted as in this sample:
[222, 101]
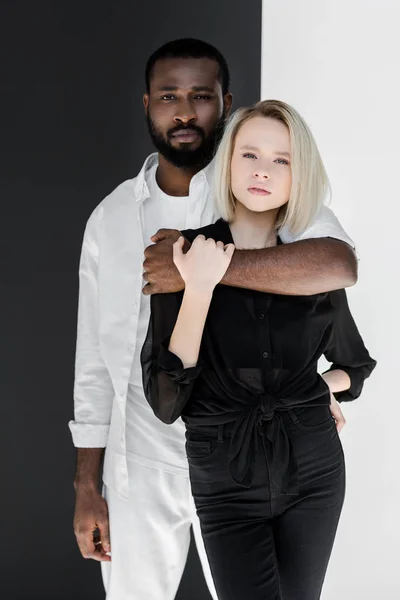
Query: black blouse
[258, 356]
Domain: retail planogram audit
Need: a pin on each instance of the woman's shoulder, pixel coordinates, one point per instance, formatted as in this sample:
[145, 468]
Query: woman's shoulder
[218, 231]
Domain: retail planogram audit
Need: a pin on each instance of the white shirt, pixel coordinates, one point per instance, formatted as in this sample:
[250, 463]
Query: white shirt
[167, 447]
[112, 317]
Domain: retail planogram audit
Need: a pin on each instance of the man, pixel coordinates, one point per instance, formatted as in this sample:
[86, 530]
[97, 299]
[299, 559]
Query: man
[147, 498]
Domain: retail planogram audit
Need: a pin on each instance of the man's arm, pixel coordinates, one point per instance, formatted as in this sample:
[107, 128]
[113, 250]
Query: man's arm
[93, 396]
[306, 267]
[301, 268]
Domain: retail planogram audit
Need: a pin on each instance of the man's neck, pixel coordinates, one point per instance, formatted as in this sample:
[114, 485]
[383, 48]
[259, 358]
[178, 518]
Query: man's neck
[172, 180]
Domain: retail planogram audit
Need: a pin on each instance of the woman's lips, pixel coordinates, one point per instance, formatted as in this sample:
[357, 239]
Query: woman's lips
[258, 191]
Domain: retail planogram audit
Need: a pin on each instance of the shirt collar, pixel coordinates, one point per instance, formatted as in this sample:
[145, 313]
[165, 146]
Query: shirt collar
[141, 189]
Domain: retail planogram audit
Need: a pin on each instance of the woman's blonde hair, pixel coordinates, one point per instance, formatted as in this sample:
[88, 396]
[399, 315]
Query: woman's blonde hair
[310, 184]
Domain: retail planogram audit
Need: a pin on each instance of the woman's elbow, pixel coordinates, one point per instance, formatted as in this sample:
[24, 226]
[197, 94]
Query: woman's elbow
[166, 418]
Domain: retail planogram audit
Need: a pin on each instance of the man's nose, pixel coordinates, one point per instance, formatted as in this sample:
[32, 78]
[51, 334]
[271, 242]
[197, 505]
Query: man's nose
[185, 114]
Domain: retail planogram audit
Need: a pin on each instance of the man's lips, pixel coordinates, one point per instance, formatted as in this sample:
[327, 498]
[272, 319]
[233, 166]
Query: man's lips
[258, 191]
[185, 135]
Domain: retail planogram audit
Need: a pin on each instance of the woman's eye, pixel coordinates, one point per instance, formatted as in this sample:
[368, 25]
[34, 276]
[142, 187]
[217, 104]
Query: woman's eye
[249, 155]
[282, 161]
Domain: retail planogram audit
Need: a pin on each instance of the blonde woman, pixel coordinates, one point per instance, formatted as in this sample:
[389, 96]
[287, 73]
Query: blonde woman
[240, 367]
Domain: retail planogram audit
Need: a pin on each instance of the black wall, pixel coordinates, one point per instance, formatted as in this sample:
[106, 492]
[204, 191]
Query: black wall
[71, 129]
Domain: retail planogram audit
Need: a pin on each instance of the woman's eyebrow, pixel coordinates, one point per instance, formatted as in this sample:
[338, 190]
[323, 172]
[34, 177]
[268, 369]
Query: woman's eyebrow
[254, 148]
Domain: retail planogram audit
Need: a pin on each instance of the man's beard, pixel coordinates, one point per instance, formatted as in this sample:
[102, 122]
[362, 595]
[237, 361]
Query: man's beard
[185, 158]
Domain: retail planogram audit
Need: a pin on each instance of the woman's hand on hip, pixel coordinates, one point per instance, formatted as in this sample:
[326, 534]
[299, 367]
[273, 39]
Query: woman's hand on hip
[337, 413]
[205, 264]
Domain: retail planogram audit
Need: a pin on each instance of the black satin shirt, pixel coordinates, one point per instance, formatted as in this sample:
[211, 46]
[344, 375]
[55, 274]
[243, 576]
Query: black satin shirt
[258, 356]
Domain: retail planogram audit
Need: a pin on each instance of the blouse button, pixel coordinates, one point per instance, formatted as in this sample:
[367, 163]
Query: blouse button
[262, 316]
[265, 354]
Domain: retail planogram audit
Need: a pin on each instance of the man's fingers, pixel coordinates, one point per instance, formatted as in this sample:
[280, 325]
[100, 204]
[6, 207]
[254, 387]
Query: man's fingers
[105, 535]
[148, 289]
[99, 556]
[164, 234]
[86, 543]
[90, 550]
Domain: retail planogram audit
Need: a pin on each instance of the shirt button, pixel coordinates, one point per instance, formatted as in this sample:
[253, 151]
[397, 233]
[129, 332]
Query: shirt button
[262, 316]
[265, 355]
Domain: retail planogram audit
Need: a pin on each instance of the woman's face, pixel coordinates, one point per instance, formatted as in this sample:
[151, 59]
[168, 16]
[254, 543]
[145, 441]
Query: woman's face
[261, 176]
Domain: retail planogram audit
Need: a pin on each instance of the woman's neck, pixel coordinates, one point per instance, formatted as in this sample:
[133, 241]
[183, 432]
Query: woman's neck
[251, 230]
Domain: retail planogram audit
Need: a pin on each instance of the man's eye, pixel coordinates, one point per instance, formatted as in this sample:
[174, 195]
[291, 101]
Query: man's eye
[167, 97]
[202, 97]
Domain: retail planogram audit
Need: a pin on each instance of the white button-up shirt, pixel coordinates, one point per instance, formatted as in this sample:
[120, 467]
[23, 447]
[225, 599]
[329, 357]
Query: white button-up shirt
[110, 287]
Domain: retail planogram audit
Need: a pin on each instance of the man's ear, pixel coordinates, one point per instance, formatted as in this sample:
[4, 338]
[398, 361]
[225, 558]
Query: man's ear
[146, 102]
[228, 98]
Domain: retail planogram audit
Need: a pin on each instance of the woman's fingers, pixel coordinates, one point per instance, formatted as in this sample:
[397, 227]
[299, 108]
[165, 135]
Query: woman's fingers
[229, 249]
[177, 248]
[337, 414]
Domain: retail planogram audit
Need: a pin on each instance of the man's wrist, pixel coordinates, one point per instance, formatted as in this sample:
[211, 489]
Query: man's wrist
[87, 485]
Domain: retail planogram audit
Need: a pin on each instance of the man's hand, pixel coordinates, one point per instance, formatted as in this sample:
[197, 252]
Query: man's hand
[161, 274]
[91, 516]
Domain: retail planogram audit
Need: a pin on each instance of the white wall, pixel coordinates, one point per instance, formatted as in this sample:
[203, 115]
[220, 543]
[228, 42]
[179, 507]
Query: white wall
[338, 63]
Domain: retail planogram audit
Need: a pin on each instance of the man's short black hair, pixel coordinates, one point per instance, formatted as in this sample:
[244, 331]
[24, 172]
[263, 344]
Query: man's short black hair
[190, 48]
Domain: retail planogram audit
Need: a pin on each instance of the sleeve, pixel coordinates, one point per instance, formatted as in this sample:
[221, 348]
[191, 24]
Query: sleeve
[325, 224]
[347, 351]
[93, 389]
[167, 384]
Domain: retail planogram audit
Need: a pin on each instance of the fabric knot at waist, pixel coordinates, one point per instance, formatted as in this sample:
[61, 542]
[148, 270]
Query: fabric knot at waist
[258, 420]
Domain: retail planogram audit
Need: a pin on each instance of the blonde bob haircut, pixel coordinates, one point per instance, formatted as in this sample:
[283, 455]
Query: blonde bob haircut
[310, 185]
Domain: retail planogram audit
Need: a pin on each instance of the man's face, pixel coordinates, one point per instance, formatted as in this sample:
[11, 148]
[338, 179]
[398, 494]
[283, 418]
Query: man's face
[186, 110]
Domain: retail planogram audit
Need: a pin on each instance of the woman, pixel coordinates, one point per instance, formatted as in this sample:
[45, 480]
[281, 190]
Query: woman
[240, 366]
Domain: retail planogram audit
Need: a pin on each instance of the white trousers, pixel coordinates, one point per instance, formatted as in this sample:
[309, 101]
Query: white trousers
[150, 536]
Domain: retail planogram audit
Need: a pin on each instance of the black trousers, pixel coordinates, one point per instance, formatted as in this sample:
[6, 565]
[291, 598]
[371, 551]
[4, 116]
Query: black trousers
[263, 544]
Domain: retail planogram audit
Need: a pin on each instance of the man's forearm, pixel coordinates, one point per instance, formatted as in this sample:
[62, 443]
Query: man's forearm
[302, 268]
[88, 467]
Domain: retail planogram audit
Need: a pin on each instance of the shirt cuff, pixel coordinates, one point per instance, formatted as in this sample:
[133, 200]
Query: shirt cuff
[357, 378]
[88, 435]
[325, 224]
[173, 366]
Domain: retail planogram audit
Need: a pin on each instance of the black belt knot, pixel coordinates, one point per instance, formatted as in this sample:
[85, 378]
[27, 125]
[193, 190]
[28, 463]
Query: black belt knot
[243, 446]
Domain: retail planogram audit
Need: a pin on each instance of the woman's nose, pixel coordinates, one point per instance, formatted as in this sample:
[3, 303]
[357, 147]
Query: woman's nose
[261, 174]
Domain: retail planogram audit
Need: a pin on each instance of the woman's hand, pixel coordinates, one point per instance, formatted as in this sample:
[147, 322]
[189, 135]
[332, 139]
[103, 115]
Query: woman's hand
[337, 413]
[205, 264]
